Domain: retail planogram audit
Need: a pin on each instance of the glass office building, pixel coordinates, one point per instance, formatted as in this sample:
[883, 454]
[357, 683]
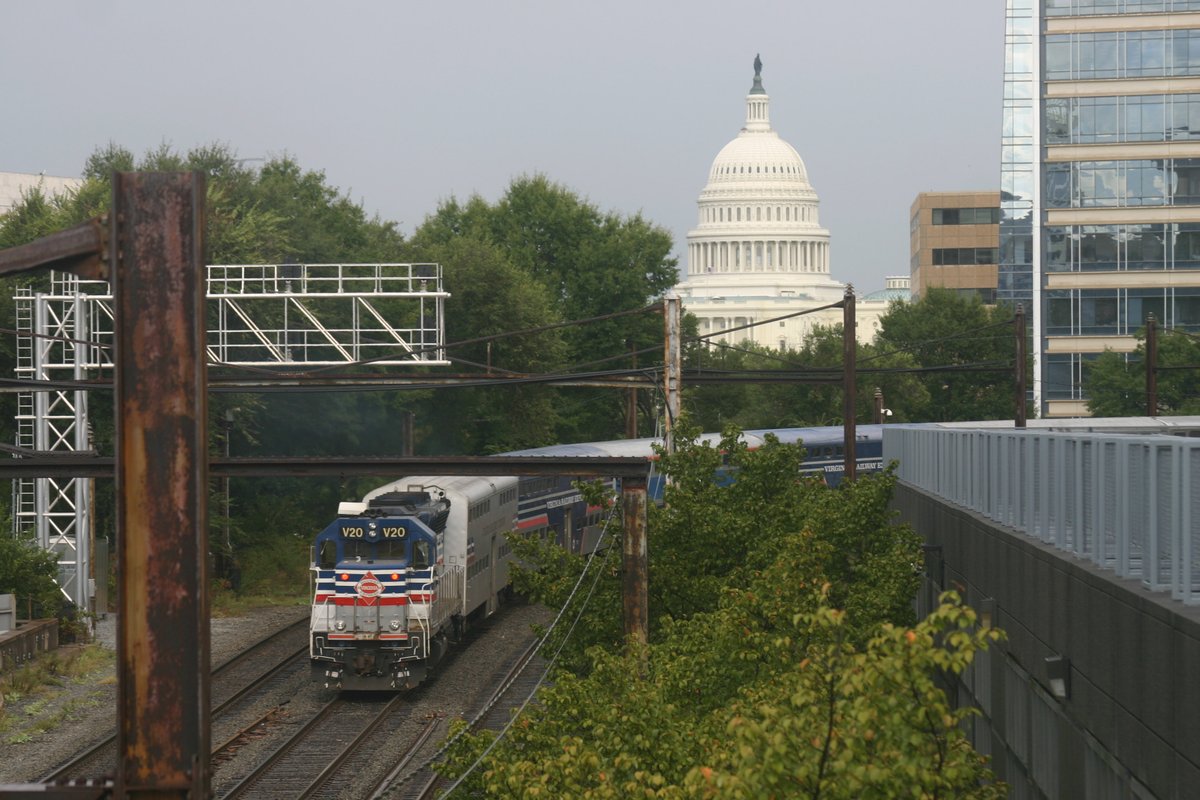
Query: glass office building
[1100, 182]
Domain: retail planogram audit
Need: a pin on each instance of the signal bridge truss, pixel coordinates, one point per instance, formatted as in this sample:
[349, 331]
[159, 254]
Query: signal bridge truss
[264, 316]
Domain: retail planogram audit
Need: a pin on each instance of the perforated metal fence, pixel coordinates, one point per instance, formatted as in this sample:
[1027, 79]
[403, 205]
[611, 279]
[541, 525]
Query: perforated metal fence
[1127, 503]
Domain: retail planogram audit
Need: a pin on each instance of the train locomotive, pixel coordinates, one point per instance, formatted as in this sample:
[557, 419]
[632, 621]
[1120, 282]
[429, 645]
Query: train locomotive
[400, 575]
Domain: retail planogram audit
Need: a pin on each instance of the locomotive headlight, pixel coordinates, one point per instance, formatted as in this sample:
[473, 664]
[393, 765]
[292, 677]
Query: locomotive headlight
[340, 625]
[394, 624]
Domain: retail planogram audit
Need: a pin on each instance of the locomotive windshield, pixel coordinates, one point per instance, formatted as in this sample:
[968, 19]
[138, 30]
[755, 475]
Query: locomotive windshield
[370, 552]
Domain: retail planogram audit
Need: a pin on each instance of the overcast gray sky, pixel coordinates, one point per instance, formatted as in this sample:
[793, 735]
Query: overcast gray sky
[404, 104]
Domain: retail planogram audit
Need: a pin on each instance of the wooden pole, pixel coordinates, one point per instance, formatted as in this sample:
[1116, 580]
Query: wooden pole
[849, 385]
[635, 603]
[631, 426]
[672, 368]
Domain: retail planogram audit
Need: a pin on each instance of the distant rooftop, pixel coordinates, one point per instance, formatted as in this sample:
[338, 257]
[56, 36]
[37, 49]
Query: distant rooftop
[896, 287]
[14, 184]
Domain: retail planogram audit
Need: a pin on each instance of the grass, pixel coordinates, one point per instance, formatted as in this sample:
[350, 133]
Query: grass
[275, 573]
[35, 702]
[227, 603]
[50, 670]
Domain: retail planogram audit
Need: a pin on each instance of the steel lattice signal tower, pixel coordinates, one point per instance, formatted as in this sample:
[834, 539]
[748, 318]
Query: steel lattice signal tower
[259, 315]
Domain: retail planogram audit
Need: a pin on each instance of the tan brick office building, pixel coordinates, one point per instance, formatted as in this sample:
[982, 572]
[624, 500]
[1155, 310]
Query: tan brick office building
[954, 242]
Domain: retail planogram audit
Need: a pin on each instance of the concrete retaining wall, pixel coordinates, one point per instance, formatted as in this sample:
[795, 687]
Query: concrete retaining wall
[1130, 726]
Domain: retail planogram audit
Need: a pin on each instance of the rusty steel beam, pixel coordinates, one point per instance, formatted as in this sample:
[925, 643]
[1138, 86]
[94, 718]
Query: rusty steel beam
[82, 250]
[85, 466]
[157, 235]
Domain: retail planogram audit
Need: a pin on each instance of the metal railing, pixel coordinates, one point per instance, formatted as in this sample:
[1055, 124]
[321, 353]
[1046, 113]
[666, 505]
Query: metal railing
[1130, 504]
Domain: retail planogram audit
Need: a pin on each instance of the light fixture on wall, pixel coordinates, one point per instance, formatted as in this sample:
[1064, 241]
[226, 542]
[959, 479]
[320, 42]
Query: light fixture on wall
[988, 612]
[1058, 671]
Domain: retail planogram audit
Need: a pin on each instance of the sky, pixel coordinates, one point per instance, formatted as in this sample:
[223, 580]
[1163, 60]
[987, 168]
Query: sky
[405, 104]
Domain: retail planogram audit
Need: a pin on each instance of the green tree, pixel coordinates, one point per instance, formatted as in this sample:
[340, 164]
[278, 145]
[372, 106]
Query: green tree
[803, 402]
[589, 264]
[952, 337]
[856, 722]
[1115, 383]
[491, 296]
[783, 658]
[29, 572]
[713, 406]
[320, 224]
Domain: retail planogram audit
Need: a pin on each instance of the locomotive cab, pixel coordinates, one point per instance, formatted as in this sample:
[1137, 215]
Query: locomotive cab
[376, 578]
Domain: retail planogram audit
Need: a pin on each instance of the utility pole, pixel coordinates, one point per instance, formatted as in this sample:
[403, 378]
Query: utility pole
[635, 602]
[1151, 366]
[631, 426]
[227, 566]
[878, 417]
[672, 368]
[849, 388]
[407, 436]
[1019, 367]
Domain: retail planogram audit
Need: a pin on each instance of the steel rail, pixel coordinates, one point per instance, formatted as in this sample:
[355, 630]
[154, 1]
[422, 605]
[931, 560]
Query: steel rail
[65, 770]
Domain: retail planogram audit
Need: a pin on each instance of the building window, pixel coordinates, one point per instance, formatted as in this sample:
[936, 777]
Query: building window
[1123, 54]
[966, 216]
[1093, 184]
[1069, 8]
[958, 256]
[1187, 308]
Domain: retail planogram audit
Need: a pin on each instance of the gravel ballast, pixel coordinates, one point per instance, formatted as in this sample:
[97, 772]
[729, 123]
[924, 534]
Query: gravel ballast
[84, 710]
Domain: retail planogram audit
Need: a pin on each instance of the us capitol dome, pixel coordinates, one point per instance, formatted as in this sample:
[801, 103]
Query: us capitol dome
[759, 251]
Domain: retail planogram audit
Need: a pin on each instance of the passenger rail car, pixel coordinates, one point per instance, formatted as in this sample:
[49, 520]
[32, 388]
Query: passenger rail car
[400, 575]
[825, 455]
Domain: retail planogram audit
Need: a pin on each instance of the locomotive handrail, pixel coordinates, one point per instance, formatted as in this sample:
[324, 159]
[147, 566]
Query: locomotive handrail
[424, 623]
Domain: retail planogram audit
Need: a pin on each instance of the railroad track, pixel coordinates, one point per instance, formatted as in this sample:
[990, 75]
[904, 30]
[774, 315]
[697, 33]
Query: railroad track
[518, 683]
[232, 680]
[326, 757]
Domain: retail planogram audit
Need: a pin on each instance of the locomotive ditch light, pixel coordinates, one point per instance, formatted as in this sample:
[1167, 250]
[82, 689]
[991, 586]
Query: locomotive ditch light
[340, 625]
[394, 624]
